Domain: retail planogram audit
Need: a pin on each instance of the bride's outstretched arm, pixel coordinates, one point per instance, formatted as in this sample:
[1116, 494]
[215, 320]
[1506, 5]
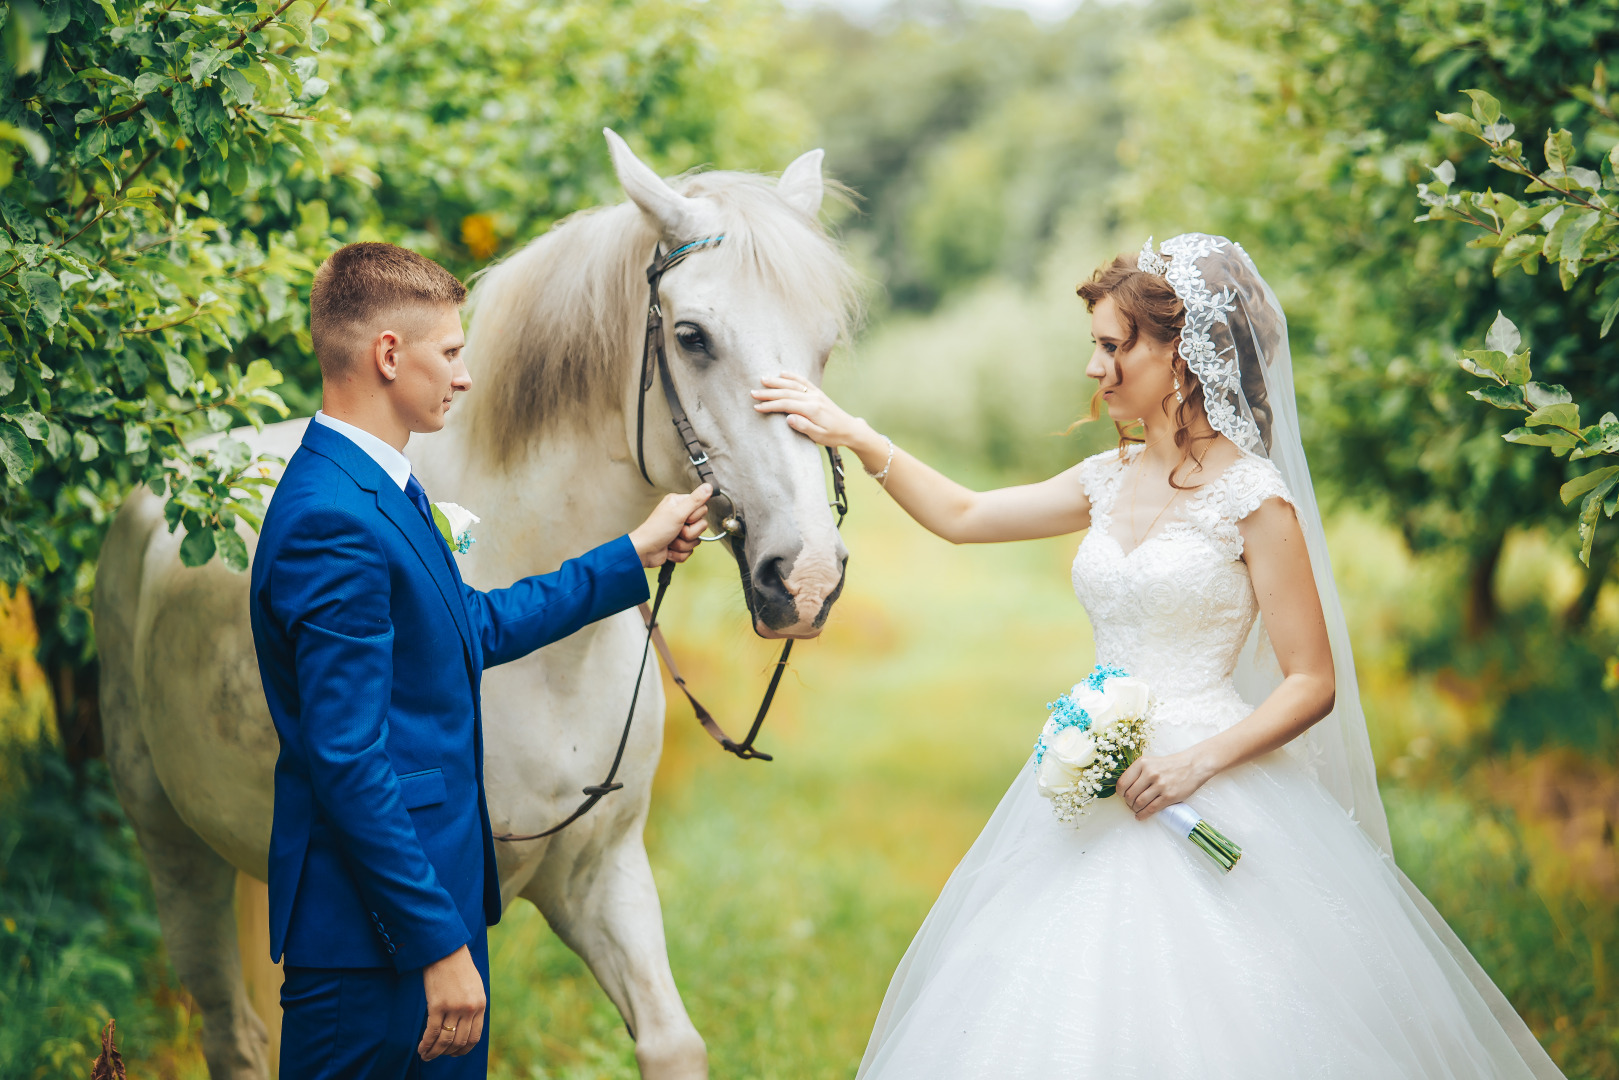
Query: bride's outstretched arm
[1273, 548]
[1052, 507]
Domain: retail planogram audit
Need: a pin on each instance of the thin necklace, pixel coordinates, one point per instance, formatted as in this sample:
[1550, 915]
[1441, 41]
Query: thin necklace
[1135, 540]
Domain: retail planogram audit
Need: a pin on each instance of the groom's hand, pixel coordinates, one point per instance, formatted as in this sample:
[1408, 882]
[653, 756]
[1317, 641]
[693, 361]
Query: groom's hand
[455, 1006]
[671, 533]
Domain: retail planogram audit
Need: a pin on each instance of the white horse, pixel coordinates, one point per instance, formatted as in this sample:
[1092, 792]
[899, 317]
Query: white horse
[542, 448]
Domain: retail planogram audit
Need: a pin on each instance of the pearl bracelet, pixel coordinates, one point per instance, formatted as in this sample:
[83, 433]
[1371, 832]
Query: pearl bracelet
[881, 476]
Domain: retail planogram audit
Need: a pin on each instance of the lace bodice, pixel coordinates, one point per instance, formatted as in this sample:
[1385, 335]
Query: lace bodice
[1178, 608]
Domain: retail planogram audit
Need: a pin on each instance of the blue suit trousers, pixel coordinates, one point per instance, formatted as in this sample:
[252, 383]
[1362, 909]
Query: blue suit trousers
[366, 1023]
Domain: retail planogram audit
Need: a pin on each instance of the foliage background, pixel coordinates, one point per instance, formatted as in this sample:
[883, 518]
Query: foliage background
[996, 161]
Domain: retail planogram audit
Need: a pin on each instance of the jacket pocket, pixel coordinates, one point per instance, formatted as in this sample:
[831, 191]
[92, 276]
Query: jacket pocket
[425, 788]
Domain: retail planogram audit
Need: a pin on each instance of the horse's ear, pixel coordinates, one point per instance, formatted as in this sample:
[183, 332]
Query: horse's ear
[674, 214]
[801, 186]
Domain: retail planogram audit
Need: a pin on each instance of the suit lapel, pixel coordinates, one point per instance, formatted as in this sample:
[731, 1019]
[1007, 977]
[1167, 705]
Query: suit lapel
[403, 513]
[399, 510]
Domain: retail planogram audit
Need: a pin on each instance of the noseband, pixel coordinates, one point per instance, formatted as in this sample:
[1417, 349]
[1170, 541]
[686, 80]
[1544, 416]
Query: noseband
[655, 360]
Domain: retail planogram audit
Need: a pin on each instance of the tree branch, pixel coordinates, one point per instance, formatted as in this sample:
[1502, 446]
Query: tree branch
[125, 114]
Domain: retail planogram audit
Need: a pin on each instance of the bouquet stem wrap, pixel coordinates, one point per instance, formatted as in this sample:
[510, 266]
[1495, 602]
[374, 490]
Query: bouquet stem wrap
[1180, 819]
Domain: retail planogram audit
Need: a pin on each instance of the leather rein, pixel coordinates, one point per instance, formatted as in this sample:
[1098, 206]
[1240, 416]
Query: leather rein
[655, 363]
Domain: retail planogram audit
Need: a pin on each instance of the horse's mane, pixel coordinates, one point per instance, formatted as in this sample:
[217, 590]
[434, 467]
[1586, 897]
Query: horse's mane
[556, 326]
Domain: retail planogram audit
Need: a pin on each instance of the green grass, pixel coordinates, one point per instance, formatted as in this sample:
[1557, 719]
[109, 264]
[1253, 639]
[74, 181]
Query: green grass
[791, 888]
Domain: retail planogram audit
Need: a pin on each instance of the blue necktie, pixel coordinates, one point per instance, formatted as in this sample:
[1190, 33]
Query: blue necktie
[414, 492]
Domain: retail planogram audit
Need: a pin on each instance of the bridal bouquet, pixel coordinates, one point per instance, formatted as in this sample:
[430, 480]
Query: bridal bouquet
[1090, 738]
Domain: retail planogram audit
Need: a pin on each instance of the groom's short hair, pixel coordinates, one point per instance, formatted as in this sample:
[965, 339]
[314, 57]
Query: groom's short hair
[360, 284]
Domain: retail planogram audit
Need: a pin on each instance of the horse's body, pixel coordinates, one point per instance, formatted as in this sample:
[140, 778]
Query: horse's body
[543, 449]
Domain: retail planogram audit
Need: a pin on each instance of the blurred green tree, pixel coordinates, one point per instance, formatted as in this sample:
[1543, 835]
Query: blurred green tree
[479, 124]
[967, 134]
[1325, 122]
[142, 278]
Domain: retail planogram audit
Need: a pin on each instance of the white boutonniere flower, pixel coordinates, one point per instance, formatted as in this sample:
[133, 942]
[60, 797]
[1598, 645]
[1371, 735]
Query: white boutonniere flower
[455, 522]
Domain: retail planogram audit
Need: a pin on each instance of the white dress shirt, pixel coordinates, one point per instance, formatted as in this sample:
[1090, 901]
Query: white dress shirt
[395, 464]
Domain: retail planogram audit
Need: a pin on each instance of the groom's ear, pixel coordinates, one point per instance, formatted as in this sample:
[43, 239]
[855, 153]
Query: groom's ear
[674, 215]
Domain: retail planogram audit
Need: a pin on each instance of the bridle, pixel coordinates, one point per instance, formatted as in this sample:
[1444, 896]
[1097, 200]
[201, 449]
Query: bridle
[655, 362]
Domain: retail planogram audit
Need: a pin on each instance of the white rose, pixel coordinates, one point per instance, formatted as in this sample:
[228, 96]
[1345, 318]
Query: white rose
[460, 518]
[1055, 777]
[1072, 747]
[1120, 698]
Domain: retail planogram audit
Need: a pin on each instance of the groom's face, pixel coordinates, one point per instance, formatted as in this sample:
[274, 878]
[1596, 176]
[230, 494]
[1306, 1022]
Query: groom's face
[428, 369]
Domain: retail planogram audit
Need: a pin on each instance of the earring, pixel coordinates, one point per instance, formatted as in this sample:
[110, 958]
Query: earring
[1178, 398]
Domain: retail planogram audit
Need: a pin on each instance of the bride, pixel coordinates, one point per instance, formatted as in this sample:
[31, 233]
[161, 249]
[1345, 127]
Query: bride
[1110, 947]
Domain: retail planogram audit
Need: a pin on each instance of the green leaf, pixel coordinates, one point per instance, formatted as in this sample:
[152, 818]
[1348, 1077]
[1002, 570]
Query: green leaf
[1486, 110]
[1503, 336]
[44, 295]
[197, 548]
[237, 83]
[1492, 361]
[1539, 395]
[1588, 517]
[181, 375]
[443, 523]
[32, 423]
[232, 549]
[1559, 150]
[1579, 227]
[1523, 217]
[89, 448]
[204, 62]
[58, 443]
[1555, 437]
[1613, 310]
[16, 454]
[1461, 122]
[1502, 397]
[297, 18]
[19, 219]
[1563, 415]
[261, 373]
[1582, 484]
[233, 454]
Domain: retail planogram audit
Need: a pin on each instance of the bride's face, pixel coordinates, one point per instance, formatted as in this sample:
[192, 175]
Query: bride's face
[1136, 377]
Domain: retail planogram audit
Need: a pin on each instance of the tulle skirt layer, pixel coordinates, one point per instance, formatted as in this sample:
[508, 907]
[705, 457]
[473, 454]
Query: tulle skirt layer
[1116, 950]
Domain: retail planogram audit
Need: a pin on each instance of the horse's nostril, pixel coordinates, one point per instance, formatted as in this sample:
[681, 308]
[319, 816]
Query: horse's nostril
[770, 580]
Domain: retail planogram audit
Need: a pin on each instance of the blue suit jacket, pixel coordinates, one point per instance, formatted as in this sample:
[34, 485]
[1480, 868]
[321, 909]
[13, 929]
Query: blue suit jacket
[371, 649]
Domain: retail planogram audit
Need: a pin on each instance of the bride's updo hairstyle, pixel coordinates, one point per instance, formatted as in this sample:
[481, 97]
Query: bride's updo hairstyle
[1148, 305]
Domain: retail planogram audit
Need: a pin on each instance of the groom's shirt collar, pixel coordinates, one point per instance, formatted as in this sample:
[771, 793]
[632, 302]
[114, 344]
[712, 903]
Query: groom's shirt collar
[391, 461]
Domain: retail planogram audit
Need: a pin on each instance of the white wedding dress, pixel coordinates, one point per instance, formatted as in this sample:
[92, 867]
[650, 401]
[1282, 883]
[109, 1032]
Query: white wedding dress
[1110, 948]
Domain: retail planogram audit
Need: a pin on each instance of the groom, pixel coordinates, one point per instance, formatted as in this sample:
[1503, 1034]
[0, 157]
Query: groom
[371, 648]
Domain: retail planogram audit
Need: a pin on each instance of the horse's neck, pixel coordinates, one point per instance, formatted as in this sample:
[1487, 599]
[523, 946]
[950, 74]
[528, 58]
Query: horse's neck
[569, 492]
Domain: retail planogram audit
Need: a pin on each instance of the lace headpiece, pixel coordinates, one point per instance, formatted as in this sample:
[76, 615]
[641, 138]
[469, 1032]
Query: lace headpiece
[1149, 262]
[1207, 343]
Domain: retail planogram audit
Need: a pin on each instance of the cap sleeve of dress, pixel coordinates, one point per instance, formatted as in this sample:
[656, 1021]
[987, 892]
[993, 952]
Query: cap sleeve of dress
[1246, 485]
[1099, 475]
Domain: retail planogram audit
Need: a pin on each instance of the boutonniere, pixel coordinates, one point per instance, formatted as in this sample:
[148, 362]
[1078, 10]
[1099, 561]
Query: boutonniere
[454, 522]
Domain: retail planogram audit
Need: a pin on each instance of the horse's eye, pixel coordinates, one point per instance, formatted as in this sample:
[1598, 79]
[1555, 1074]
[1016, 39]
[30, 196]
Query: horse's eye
[691, 338]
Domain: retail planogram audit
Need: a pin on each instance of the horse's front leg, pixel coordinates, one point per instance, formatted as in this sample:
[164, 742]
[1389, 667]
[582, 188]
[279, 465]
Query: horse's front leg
[604, 906]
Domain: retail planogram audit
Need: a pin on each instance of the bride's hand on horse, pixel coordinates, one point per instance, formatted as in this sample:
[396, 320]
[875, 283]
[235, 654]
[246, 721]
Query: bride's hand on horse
[671, 533]
[1154, 781]
[817, 417]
